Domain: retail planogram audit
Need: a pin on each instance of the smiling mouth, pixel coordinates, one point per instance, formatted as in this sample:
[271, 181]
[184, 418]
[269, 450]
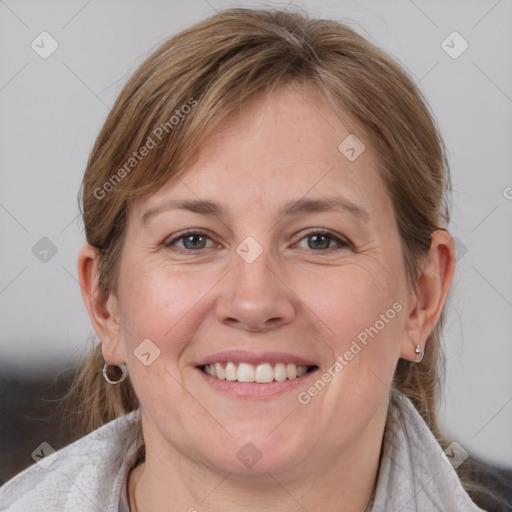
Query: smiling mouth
[260, 373]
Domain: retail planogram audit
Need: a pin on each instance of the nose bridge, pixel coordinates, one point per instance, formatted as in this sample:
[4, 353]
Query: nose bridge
[254, 296]
[252, 272]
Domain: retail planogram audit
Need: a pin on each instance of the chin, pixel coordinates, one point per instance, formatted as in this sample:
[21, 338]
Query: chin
[256, 453]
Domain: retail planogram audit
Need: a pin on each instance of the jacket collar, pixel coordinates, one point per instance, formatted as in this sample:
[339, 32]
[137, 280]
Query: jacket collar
[415, 475]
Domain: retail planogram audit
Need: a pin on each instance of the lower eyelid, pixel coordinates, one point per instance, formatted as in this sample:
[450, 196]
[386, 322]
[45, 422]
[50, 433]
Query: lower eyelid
[338, 245]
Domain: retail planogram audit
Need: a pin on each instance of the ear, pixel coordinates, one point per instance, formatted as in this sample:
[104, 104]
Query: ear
[429, 295]
[102, 310]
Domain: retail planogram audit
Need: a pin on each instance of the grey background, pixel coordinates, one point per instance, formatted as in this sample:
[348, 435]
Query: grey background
[52, 110]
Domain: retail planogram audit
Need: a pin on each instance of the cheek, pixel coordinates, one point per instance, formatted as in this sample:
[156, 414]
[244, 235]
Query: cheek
[360, 320]
[163, 305]
[348, 304]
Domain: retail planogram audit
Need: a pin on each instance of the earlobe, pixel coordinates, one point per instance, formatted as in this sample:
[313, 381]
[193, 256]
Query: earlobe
[429, 296]
[102, 310]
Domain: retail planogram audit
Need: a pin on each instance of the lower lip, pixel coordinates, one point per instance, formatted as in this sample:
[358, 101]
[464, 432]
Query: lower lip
[254, 389]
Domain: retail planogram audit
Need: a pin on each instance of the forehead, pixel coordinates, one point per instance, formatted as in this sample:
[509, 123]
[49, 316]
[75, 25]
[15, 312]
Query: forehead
[279, 146]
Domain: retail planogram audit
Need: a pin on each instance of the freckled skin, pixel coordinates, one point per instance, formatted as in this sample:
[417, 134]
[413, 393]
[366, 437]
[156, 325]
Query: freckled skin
[292, 298]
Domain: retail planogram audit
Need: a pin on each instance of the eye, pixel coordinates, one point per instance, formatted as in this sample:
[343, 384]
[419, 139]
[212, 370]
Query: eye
[318, 240]
[321, 240]
[192, 240]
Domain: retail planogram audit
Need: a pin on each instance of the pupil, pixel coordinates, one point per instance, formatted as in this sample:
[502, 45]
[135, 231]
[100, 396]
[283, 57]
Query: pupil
[194, 239]
[323, 243]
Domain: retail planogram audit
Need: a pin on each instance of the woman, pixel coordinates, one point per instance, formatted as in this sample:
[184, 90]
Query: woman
[266, 269]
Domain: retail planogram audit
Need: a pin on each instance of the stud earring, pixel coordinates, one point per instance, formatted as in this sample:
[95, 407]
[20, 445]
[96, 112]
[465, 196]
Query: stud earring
[420, 352]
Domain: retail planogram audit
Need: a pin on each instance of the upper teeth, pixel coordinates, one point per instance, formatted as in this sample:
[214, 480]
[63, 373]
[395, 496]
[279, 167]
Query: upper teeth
[262, 373]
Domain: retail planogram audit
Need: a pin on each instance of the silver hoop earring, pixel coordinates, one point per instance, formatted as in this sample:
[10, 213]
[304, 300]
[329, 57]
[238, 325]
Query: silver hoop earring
[114, 374]
[420, 351]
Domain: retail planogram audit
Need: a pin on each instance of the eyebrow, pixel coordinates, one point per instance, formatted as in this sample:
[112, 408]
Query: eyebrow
[292, 208]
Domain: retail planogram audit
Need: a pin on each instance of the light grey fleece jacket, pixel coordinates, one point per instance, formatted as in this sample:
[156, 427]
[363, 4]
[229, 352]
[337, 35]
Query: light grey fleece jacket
[90, 474]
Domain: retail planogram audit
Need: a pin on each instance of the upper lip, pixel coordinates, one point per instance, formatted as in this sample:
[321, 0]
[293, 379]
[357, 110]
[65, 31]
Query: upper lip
[244, 356]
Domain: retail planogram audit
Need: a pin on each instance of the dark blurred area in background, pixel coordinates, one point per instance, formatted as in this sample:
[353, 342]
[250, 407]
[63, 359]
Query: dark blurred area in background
[31, 412]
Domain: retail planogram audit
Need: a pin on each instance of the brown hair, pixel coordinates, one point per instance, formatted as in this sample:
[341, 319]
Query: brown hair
[215, 66]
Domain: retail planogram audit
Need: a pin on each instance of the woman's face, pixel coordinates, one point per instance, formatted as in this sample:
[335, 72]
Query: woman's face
[276, 252]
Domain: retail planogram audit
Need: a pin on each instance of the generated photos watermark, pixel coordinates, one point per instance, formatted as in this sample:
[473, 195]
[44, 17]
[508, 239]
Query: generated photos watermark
[137, 156]
[304, 397]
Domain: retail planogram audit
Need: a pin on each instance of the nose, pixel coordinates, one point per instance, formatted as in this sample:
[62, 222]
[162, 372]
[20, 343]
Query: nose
[255, 296]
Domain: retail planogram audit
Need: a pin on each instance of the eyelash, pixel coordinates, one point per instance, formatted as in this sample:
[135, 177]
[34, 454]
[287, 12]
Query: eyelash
[343, 244]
